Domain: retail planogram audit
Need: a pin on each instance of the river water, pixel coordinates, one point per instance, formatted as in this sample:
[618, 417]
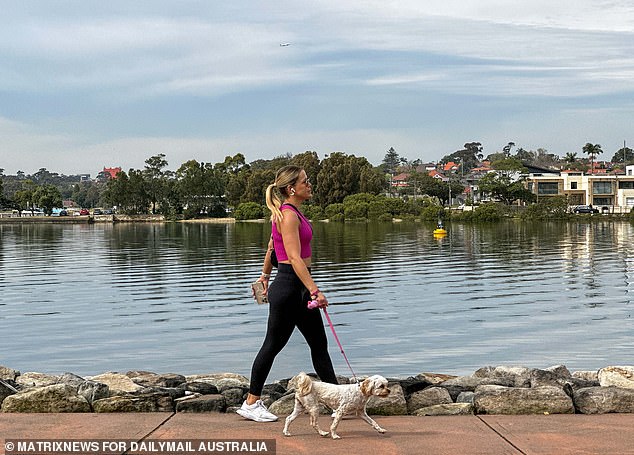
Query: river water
[175, 297]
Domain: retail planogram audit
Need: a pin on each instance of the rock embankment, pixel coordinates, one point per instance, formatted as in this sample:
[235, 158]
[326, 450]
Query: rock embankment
[489, 390]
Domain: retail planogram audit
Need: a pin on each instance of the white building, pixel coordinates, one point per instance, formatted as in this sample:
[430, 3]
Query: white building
[607, 192]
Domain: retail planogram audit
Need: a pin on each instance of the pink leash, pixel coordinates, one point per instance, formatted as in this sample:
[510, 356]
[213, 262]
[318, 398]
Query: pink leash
[332, 328]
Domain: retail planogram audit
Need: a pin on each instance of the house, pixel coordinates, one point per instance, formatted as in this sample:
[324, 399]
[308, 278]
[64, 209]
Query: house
[451, 167]
[400, 180]
[111, 171]
[609, 192]
[437, 175]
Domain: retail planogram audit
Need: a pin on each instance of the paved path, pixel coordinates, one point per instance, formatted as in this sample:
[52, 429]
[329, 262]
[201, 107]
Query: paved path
[611, 434]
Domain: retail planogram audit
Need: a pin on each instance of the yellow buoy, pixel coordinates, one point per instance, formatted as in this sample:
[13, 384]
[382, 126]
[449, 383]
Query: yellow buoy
[440, 231]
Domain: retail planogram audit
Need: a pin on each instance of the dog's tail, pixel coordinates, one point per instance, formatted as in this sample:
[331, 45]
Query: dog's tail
[304, 384]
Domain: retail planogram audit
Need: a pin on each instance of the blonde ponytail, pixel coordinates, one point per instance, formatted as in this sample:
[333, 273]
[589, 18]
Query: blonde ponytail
[274, 202]
[276, 192]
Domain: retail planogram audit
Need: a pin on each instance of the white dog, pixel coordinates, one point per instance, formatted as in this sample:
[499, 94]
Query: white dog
[344, 399]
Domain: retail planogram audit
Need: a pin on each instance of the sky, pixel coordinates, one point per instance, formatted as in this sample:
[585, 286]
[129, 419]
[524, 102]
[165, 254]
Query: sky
[90, 84]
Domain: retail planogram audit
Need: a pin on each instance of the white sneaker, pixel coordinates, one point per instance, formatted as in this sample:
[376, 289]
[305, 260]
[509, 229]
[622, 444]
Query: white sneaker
[257, 411]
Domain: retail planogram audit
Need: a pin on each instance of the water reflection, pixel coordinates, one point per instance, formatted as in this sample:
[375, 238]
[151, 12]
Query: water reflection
[175, 297]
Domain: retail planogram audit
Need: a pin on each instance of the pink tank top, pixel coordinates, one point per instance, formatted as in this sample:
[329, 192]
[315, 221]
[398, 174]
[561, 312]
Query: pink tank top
[305, 235]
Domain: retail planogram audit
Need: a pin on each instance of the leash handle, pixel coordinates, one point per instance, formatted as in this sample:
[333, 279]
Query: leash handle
[332, 328]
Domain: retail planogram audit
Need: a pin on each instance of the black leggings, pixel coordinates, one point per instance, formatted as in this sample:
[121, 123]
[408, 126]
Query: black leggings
[287, 309]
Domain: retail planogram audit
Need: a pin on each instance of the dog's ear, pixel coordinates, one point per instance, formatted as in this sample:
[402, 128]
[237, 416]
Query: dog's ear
[366, 387]
[304, 384]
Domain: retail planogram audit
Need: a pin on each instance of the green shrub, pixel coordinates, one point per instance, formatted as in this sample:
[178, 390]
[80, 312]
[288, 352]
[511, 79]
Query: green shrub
[337, 217]
[334, 209]
[249, 211]
[378, 208]
[490, 211]
[554, 208]
[313, 212]
[355, 210]
[432, 213]
[385, 217]
[395, 206]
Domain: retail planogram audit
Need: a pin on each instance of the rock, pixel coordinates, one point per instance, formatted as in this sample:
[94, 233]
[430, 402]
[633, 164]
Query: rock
[617, 376]
[8, 373]
[203, 403]
[6, 389]
[434, 378]
[491, 399]
[551, 378]
[70, 379]
[412, 384]
[452, 409]
[148, 402]
[518, 376]
[285, 405]
[33, 379]
[119, 384]
[275, 391]
[52, 398]
[465, 397]
[90, 390]
[392, 405]
[153, 380]
[591, 376]
[93, 391]
[221, 380]
[203, 388]
[457, 385]
[602, 400]
[428, 397]
[233, 397]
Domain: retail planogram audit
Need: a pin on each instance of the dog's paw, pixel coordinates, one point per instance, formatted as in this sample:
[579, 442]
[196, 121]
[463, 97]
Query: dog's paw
[324, 433]
[335, 436]
[381, 430]
[286, 433]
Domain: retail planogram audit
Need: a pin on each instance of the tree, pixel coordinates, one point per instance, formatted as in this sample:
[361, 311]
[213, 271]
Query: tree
[24, 196]
[623, 155]
[500, 185]
[524, 155]
[340, 176]
[201, 188]
[117, 192]
[372, 180]
[469, 156]
[309, 161]
[256, 184]
[592, 150]
[140, 199]
[155, 179]
[391, 161]
[570, 157]
[507, 148]
[47, 197]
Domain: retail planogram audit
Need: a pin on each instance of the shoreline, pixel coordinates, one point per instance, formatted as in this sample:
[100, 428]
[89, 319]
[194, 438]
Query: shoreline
[89, 219]
[489, 390]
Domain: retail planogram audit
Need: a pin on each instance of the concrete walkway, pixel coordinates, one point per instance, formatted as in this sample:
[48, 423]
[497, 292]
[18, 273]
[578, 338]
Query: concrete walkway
[545, 434]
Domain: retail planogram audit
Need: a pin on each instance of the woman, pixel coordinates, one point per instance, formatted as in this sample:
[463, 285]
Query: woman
[291, 290]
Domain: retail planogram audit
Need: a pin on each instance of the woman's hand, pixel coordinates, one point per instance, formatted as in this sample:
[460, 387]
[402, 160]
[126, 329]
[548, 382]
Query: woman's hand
[322, 301]
[264, 279]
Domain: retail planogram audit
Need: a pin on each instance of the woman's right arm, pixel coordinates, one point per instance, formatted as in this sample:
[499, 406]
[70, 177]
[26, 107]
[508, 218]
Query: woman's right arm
[290, 236]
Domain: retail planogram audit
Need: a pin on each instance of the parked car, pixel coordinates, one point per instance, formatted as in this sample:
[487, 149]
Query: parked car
[585, 209]
[97, 212]
[84, 212]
